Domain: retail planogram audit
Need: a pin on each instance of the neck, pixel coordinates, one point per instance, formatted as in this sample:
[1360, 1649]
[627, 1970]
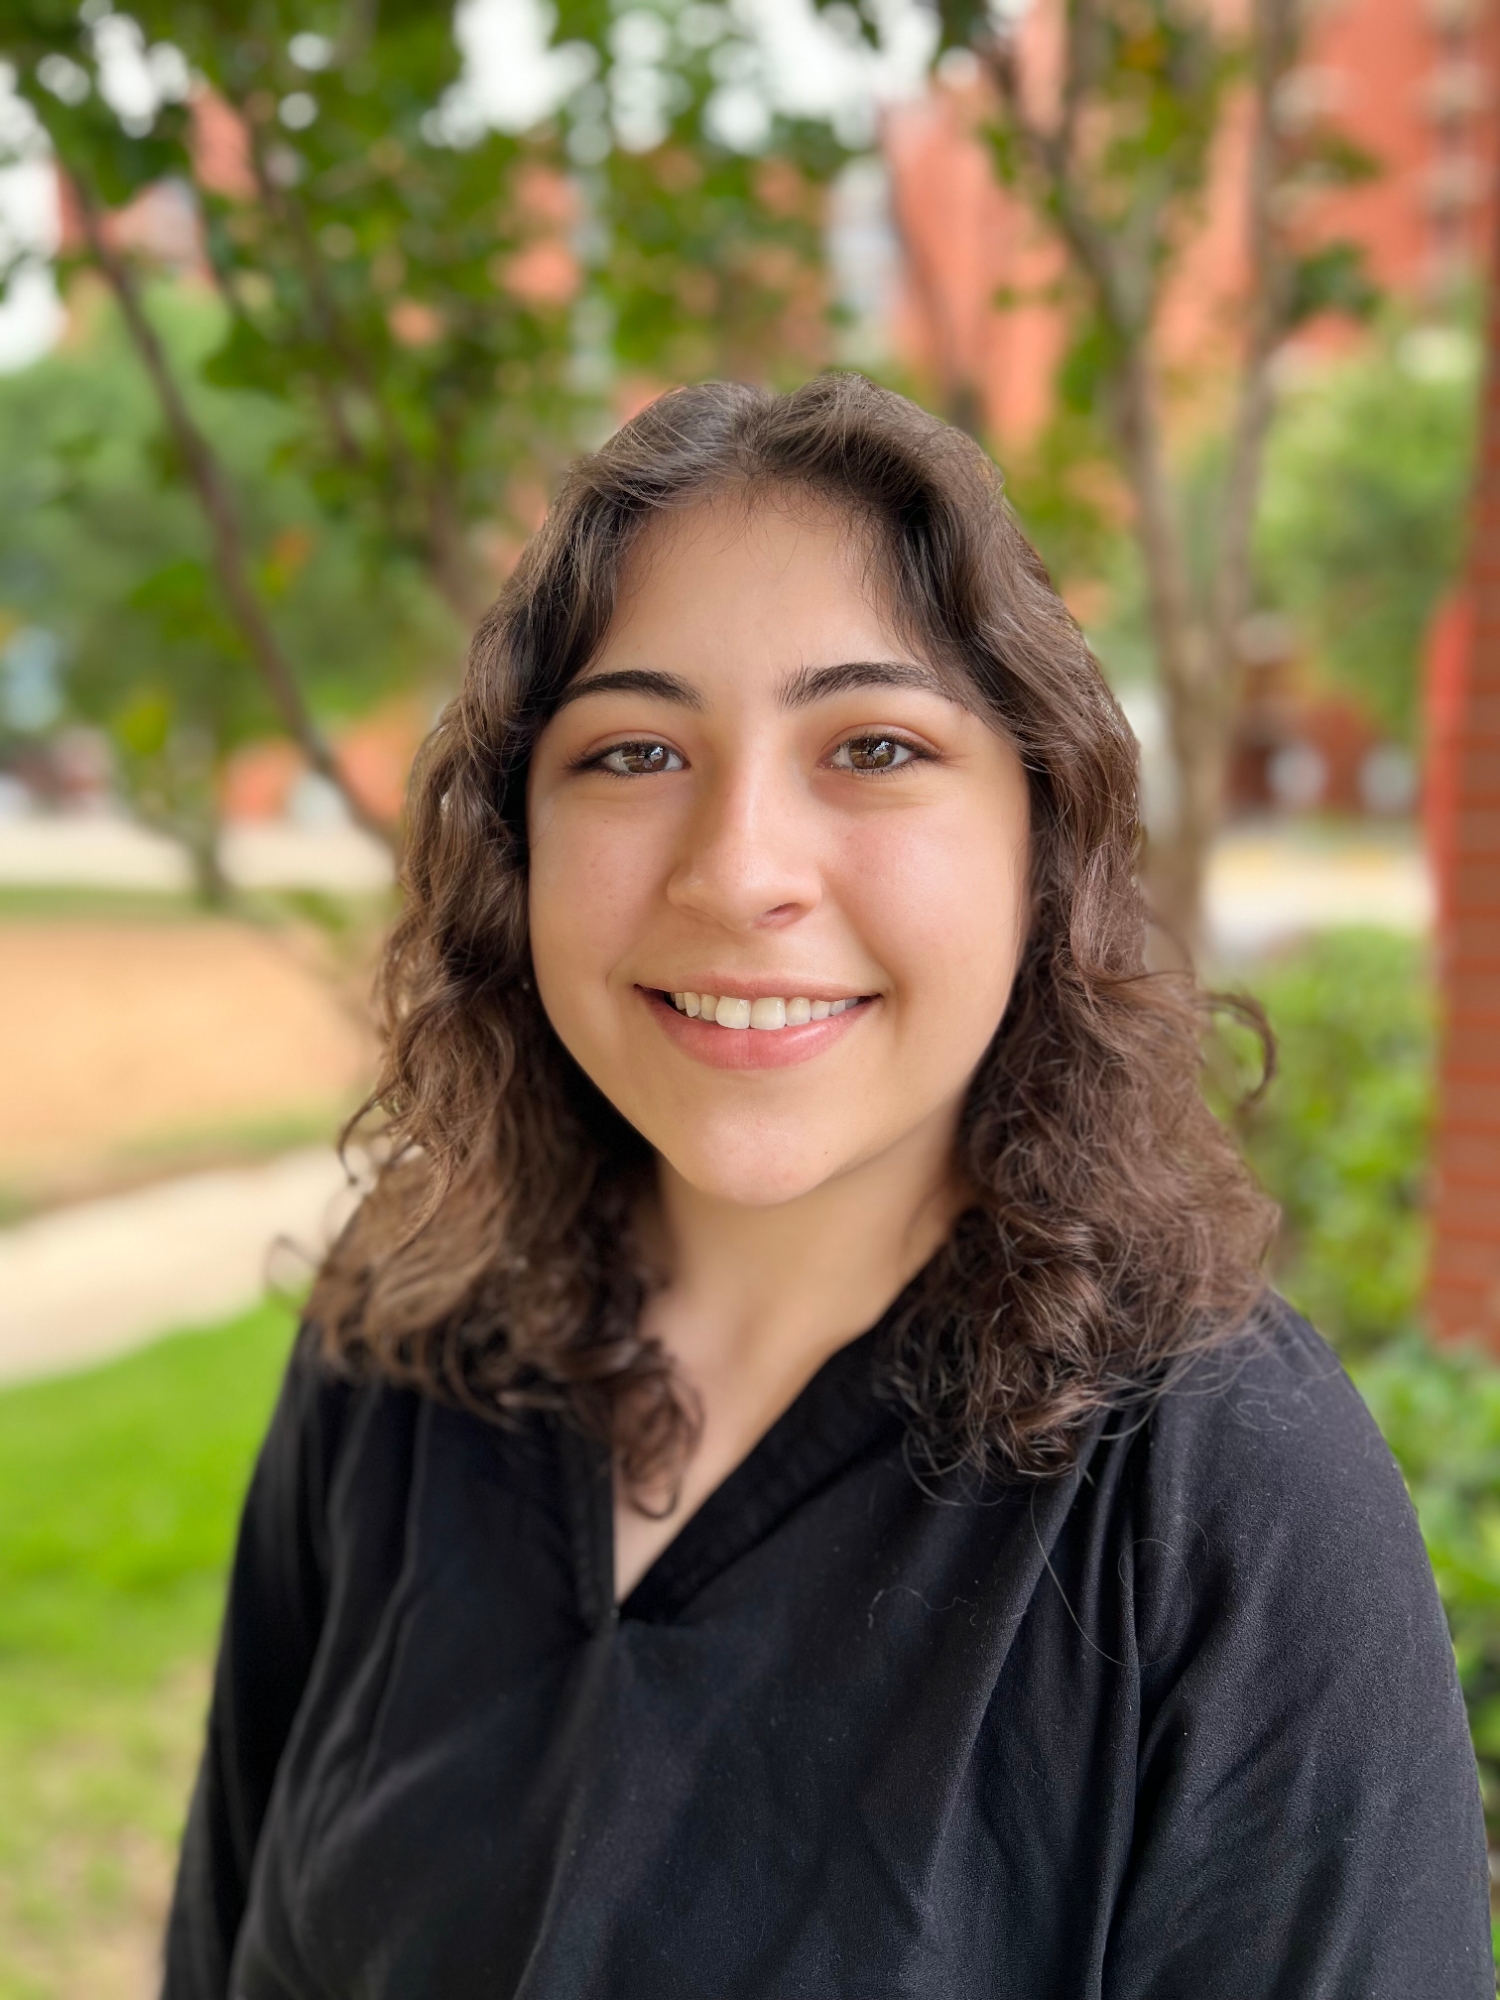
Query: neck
[777, 1289]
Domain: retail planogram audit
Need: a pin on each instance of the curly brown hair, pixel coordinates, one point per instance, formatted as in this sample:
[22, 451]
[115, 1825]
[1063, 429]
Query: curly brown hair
[1113, 1229]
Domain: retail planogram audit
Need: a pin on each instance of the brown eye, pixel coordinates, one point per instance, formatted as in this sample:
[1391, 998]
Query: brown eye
[639, 760]
[872, 753]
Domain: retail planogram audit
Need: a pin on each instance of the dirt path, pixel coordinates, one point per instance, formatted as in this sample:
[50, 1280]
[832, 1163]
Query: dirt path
[125, 1036]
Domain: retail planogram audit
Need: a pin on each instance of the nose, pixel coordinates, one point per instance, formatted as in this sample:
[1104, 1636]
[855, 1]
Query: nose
[749, 854]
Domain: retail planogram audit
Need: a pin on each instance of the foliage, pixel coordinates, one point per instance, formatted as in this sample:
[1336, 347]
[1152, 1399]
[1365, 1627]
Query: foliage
[361, 259]
[1340, 1138]
[704, 251]
[1362, 520]
[420, 316]
[1107, 131]
[101, 548]
[1067, 496]
[1440, 1412]
[714, 266]
[1360, 527]
[412, 282]
[1119, 171]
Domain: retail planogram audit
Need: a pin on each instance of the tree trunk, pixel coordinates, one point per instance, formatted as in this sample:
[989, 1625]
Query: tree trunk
[211, 886]
[1193, 695]
[1195, 648]
[1198, 665]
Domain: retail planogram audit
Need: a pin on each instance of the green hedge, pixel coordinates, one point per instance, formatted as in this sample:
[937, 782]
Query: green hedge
[1342, 1135]
[1440, 1412]
[1342, 1139]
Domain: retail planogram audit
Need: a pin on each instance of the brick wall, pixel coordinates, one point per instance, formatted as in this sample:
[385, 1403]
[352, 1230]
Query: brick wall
[1465, 1291]
[1413, 84]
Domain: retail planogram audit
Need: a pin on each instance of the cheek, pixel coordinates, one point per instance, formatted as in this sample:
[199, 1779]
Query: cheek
[588, 885]
[943, 902]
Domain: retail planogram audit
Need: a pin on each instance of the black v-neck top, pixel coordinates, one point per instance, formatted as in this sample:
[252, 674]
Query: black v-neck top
[1183, 1725]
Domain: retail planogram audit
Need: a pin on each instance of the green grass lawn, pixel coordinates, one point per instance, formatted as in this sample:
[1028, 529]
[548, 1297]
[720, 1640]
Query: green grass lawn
[119, 1490]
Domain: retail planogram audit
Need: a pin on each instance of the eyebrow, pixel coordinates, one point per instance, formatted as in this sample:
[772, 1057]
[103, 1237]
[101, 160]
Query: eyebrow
[635, 680]
[812, 684]
[799, 690]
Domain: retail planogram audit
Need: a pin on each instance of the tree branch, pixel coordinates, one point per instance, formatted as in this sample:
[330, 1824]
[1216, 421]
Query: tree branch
[1052, 158]
[1122, 271]
[278, 202]
[226, 532]
[431, 519]
[1270, 284]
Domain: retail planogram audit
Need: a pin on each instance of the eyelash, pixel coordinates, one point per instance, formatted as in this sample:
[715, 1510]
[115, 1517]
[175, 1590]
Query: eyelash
[597, 763]
[915, 754]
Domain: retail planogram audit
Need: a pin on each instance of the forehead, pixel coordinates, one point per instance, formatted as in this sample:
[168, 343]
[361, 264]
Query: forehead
[779, 598]
[751, 571]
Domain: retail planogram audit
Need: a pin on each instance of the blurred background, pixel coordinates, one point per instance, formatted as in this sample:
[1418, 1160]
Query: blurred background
[306, 303]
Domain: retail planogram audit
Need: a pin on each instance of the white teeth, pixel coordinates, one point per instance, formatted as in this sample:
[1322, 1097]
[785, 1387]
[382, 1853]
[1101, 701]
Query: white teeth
[768, 1013]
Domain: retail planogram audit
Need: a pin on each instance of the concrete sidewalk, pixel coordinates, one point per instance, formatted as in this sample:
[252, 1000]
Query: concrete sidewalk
[1265, 882]
[86, 1282]
[105, 852]
[1268, 887]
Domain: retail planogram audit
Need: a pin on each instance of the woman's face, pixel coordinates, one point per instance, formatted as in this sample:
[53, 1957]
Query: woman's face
[759, 793]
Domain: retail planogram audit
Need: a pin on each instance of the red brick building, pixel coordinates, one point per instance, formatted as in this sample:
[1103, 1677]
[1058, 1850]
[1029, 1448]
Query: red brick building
[1465, 1290]
[1415, 84]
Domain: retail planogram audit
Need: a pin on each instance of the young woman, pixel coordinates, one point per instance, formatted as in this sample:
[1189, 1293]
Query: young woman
[791, 1488]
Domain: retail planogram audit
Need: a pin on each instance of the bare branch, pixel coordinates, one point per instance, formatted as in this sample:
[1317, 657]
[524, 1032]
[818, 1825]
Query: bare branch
[226, 532]
[1113, 267]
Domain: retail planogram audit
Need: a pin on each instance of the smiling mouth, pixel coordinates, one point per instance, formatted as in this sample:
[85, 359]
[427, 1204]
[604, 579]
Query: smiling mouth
[770, 1013]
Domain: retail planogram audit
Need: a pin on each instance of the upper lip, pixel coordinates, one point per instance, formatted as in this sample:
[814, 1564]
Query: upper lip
[740, 987]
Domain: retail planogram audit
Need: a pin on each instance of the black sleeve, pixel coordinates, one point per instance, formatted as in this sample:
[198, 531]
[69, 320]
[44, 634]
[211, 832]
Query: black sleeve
[1308, 1817]
[277, 1595]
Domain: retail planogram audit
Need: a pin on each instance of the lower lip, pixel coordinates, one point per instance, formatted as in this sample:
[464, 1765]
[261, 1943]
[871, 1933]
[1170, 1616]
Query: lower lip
[751, 1048]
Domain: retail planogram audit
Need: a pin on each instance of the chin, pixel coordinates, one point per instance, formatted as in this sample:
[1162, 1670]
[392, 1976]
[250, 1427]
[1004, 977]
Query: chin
[748, 1177]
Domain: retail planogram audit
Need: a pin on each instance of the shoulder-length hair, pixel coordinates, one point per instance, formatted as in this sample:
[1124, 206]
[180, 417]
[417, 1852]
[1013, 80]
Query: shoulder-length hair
[1113, 1230]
